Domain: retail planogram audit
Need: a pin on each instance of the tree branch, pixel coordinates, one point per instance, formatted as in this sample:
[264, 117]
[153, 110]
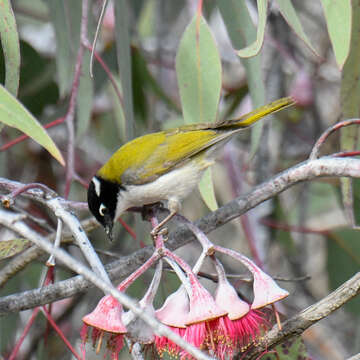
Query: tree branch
[305, 171]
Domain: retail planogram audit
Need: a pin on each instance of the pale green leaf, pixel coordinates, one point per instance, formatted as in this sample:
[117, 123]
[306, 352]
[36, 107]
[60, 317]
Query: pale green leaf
[10, 45]
[12, 247]
[198, 70]
[289, 13]
[14, 114]
[66, 18]
[350, 102]
[85, 98]
[338, 20]
[206, 189]
[254, 48]
[242, 32]
[122, 39]
[290, 349]
[117, 108]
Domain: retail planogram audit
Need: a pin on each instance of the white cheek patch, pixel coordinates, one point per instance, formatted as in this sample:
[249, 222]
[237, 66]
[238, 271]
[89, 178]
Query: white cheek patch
[102, 209]
[97, 185]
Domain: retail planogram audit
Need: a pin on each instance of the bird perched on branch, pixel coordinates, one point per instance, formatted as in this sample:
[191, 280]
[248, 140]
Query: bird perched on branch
[163, 166]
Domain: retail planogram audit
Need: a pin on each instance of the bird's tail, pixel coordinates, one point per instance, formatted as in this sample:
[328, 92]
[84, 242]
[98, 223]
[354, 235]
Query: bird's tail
[255, 115]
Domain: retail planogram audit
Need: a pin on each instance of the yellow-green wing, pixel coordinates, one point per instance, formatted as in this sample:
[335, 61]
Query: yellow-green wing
[144, 159]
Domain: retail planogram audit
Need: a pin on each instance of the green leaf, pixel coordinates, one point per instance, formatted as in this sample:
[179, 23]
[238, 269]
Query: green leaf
[206, 189]
[291, 349]
[11, 46]
[12, 247]
[289, 13]
[350, 102]
[343, 261]
[85, 98]
[14, 114]
[66, 18]
[122, 39]
[242, 32]
[255, 47]
[338, 20]
[198, 71]
[117, 108]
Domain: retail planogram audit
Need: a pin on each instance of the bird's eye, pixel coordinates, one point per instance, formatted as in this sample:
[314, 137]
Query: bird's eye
[102, 209]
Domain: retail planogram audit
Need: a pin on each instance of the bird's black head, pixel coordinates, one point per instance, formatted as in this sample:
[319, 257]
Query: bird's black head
[102, 200]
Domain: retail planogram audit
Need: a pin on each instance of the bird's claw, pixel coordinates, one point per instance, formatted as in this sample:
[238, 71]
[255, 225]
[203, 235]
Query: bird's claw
[158, 231]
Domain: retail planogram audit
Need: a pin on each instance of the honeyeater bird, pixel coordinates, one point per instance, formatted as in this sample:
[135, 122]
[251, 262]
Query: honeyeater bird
[163, 166]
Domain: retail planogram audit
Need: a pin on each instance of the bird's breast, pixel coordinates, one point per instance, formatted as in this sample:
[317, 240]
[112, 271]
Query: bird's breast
[176, 184]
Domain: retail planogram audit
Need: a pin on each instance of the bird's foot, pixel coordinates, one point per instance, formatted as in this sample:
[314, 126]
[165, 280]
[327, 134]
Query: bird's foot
[159, 231]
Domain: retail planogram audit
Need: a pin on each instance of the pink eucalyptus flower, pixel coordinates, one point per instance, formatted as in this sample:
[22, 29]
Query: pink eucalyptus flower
[173, 314]
[203, 319]
[106, 321]
[242, 326]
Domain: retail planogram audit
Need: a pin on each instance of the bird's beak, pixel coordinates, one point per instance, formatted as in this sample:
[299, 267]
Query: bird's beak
[108, 227]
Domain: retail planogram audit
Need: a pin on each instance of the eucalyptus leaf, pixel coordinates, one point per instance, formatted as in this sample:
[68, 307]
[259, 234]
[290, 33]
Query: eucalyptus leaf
[350, 103]
[14, 114]
[338, 20]
[242, 32]
[207, 191]
[11, 46]
[343, 260]
[122, 38]
[12, 247]
[291, 349]
[289, 13]
[254, 48]
[198, 70]
[66, 18]
[85, 98]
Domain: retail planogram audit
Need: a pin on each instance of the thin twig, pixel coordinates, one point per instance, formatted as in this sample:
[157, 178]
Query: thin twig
[315, 151]
[108, 72]
[102, 13]
[24, 137]
[51, 260]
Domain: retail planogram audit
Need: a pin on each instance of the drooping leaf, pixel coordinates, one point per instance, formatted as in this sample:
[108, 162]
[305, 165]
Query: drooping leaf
[12, 247]
[343, 261]
[85, 98]
[291, 349]
[14, 114]
[66, 18]
[242, 32]
[10, 45]
[254, 48]
[207, 191]
[289, 13]
[338, 20]
[350, 103]
[117, 108]
[122, 39]
[198, 70]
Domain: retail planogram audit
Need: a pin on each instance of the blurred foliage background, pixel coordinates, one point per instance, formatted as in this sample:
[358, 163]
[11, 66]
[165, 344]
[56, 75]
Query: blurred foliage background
[305, 50]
